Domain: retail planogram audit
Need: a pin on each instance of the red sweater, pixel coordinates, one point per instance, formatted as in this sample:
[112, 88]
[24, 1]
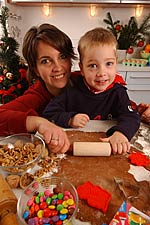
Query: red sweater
[13, 114]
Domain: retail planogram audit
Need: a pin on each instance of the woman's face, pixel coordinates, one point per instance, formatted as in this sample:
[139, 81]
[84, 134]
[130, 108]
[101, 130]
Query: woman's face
[53, 67]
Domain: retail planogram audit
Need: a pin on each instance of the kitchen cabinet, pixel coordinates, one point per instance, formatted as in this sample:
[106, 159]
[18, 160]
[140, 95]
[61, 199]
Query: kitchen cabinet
[123, 74]
[83, 2]
[70, 1]
[67, 1]
[138, 82]
[136, 1]
[24, 1]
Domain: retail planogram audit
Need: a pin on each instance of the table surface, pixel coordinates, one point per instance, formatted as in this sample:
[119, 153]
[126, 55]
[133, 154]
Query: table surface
[102, 171]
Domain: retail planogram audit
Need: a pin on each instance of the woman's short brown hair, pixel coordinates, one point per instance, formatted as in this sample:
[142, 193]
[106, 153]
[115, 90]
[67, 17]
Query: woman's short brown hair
[50, 35]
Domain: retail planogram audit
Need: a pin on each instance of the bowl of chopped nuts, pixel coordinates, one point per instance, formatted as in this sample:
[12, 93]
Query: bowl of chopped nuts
[48, 200]
[20, 152]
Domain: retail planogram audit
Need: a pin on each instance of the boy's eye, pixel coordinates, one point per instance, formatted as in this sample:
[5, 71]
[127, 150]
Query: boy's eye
[109, 63]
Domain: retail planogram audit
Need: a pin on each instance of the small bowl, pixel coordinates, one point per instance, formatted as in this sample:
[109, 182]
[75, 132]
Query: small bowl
[144, 55]
[20, 152]
[48, 187]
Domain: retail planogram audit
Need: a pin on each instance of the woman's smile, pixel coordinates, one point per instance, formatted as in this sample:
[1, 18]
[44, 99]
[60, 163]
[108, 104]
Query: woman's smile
[57, 77]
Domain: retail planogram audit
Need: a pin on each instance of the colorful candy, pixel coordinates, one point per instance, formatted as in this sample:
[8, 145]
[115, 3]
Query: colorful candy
[49, 208]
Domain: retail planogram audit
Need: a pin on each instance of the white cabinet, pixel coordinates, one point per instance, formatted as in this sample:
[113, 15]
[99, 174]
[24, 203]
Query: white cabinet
[136, 1]
[68, 1]
[103, 3]
[123, 74]
[24, 1]
[96, 1]
[138, 82]
[87, 1]
[138, 85]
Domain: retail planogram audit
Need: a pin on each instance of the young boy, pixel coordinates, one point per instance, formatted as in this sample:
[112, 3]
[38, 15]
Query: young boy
[98, 94]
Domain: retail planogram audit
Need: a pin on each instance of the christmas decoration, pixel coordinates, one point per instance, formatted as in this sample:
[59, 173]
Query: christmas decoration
[139, 159]
[147, 48]
[130, 34]
[94, 195]
[13, 81]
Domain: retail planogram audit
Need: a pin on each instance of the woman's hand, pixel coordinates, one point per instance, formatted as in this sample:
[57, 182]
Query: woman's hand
[144, 111]
[79, 120]
[54, 136]
[119, 143]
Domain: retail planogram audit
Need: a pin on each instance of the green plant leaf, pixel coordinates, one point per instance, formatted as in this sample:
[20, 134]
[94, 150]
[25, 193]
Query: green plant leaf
[131, 32]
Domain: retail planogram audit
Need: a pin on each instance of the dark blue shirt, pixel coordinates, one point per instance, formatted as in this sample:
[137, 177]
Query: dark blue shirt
[113, 104]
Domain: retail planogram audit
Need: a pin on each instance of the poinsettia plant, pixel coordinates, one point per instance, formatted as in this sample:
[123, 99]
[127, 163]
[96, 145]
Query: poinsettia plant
[131, 34]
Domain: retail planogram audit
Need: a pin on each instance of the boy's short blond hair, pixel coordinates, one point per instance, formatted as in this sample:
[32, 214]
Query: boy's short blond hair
[95, 37]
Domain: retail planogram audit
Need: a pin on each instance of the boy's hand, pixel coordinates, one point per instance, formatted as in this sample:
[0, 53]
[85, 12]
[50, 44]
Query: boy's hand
[79, 120]
[119, 142]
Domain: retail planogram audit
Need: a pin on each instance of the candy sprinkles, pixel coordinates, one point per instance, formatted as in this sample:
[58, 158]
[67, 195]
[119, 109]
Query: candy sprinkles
[49, 207]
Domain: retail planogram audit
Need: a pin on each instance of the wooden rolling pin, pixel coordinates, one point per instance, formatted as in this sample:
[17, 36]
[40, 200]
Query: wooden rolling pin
[91, 149]
[8, 204]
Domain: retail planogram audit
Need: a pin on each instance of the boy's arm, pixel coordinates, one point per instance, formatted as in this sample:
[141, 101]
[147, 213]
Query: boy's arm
[127, 117]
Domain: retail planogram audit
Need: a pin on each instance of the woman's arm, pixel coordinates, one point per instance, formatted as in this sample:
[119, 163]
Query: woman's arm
[13, 115]
[54, 136]
[23, 115]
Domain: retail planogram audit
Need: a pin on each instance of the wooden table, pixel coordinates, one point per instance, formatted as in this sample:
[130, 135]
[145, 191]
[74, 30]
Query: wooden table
[102, 171]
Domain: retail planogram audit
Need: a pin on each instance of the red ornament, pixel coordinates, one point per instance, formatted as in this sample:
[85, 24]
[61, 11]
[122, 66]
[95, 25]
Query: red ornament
[1, 92]
[140, 44]
[19, 86]
[118, 27]
[23, 73]
[11, 89]
[1, 78]
[130, 50]
[1, 43]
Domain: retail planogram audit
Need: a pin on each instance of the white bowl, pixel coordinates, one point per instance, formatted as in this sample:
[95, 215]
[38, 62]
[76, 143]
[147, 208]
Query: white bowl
[144, 55]
[46, 187]
[19, 152]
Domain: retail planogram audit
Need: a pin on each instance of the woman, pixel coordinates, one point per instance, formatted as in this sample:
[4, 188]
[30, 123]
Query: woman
[49, 53]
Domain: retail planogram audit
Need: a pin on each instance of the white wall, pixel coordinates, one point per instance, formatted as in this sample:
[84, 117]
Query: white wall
[74, 21]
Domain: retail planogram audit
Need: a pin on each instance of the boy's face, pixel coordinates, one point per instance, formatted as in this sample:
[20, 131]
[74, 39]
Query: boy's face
[99, 66]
